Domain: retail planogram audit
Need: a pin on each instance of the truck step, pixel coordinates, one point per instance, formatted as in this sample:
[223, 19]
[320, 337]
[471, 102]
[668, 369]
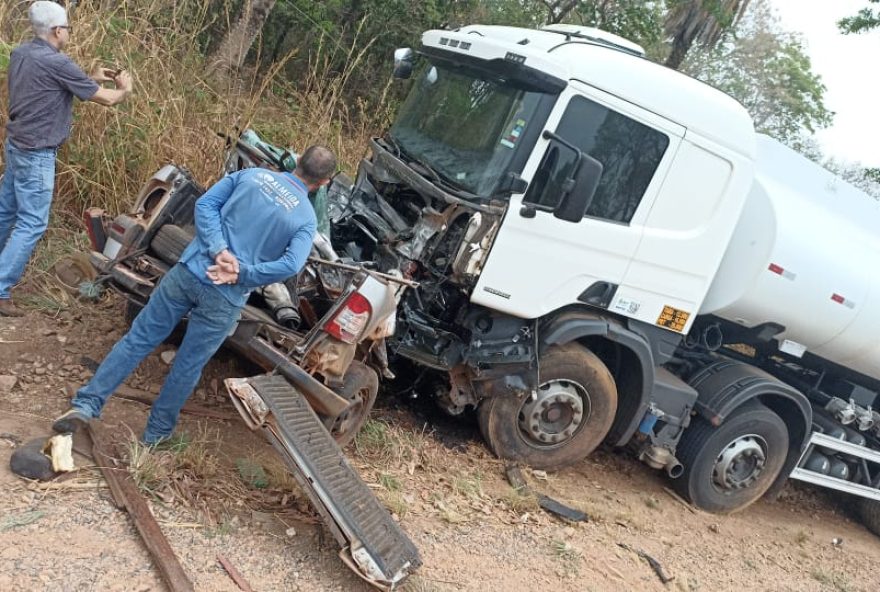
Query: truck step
[372, 543]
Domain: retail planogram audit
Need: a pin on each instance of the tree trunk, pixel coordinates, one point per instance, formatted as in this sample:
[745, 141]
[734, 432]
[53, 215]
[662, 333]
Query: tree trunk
[232, 51]
[680, 48]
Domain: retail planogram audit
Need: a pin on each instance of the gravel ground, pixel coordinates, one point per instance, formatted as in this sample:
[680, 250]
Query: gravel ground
[473, 532]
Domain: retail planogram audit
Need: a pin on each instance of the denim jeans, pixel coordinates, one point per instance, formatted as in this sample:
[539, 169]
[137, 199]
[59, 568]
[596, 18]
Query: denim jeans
[212, 317]
[25, 197]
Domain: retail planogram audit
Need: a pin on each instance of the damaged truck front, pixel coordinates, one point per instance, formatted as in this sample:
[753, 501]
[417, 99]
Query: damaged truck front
[429, 203]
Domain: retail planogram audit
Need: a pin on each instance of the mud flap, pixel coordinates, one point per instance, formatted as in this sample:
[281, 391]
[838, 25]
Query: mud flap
[373, 545]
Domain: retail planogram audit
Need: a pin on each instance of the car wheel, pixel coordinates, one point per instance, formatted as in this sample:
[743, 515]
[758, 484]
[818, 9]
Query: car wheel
[360, 386]
[170, 242]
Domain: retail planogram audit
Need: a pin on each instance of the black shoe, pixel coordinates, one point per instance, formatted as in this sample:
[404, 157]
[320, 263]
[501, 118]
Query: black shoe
[70, 421]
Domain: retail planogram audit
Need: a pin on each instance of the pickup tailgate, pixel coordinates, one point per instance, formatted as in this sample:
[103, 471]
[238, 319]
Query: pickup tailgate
[372, 543]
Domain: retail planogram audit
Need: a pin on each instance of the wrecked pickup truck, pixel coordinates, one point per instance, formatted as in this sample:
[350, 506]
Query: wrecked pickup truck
[321, 382]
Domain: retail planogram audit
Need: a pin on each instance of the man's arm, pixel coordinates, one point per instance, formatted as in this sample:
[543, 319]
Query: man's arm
[207, 215]
[113, 96]
[298, 249]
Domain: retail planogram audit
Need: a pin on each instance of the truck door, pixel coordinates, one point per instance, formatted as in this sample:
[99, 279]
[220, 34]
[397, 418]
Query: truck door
[540, 263]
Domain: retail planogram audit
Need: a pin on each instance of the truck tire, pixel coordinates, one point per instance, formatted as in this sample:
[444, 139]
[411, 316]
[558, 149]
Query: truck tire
[360, 385]
[729, 467]
[169, 243]
[869, 511]
[570, 416]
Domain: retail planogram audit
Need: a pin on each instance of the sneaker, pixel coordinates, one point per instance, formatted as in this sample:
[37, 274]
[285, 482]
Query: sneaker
[70, 421]
[7, 309]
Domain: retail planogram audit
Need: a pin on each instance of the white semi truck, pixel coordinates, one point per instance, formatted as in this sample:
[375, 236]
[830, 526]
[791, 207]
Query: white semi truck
[583, 247]
[606, 251]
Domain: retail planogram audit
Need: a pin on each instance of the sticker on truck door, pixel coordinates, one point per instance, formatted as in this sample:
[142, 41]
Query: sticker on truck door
[673, 318]
[626, 306]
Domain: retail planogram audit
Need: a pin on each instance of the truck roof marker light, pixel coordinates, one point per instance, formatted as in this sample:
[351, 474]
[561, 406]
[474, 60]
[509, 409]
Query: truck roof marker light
[842, 300]
[779, 270]
[351, 319]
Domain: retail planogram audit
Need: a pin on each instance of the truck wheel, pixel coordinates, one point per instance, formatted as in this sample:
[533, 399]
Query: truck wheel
[566, 419]
[169, 243]
[360, 385]
[729, 467]
[869, 511]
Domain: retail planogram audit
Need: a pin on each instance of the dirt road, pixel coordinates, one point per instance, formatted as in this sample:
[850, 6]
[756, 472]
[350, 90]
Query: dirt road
[222, 492]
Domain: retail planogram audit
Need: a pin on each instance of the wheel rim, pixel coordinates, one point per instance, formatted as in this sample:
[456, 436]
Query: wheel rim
[741, 463]
[349, 418]
[554, 413]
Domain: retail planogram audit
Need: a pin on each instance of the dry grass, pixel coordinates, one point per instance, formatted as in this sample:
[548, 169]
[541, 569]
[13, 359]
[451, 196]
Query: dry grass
[176, 111]
[191, 470]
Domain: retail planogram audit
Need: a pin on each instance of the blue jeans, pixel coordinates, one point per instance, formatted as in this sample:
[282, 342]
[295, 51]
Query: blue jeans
[212, 317]
[25, 197]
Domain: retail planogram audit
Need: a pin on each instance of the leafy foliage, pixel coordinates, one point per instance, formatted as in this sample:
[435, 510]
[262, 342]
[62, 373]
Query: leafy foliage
[865, 20]
[769, 72]
[700, 22]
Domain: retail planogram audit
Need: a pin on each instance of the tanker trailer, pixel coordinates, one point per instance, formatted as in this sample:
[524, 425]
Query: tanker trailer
[794, 301]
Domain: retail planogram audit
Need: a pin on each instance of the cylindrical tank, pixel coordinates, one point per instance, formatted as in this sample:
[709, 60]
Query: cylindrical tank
[803, 255]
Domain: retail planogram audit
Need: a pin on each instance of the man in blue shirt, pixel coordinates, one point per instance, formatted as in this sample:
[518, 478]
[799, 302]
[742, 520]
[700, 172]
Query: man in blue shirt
[42, 84]
[253, 227]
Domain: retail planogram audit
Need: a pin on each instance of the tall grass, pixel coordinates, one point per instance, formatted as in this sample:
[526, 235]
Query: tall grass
[176, 110]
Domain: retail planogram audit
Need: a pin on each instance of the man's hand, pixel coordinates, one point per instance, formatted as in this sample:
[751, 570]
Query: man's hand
[102, 75]
[123, 81]
[226, 261]
[219, 276]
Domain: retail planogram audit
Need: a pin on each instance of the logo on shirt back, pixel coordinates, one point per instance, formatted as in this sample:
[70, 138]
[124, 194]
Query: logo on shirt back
[278, 192]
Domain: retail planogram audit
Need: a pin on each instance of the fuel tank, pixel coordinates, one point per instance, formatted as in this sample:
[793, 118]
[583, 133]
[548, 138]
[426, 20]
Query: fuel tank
[804, 254]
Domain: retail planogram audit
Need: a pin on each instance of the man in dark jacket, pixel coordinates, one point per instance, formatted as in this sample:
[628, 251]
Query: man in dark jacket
[42, 84]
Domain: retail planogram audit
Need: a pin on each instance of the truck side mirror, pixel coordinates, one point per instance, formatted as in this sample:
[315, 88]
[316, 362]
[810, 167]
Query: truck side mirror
[404, 57]
[579, 190]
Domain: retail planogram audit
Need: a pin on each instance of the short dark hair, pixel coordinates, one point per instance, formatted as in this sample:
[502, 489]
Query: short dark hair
[316, 164]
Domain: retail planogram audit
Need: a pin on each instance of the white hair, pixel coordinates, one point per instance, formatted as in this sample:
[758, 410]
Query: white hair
[45, 16]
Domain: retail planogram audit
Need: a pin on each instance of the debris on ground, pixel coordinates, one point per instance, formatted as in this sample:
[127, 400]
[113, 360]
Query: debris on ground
[168, 356]
[126, 495]
[517, 481]
[655, 565]
[59, 449]
[234, 574]
[28, 461]
[132, 394]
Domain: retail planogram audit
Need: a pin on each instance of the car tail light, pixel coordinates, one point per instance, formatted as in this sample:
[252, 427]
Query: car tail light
[94, 221]
[351, 319]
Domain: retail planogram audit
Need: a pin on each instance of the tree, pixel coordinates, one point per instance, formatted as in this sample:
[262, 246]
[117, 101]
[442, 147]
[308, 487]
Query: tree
[701, 22]
[636, 20]
[232, 51]
[767, 70]
[865, 20]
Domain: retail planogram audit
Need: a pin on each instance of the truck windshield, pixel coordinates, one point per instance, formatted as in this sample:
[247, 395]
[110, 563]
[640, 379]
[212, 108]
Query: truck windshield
[464, 125]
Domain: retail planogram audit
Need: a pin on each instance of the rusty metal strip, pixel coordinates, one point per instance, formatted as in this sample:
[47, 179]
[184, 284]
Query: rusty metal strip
[125, 491]
[132, 394]
[108, 468]
[234, 574]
